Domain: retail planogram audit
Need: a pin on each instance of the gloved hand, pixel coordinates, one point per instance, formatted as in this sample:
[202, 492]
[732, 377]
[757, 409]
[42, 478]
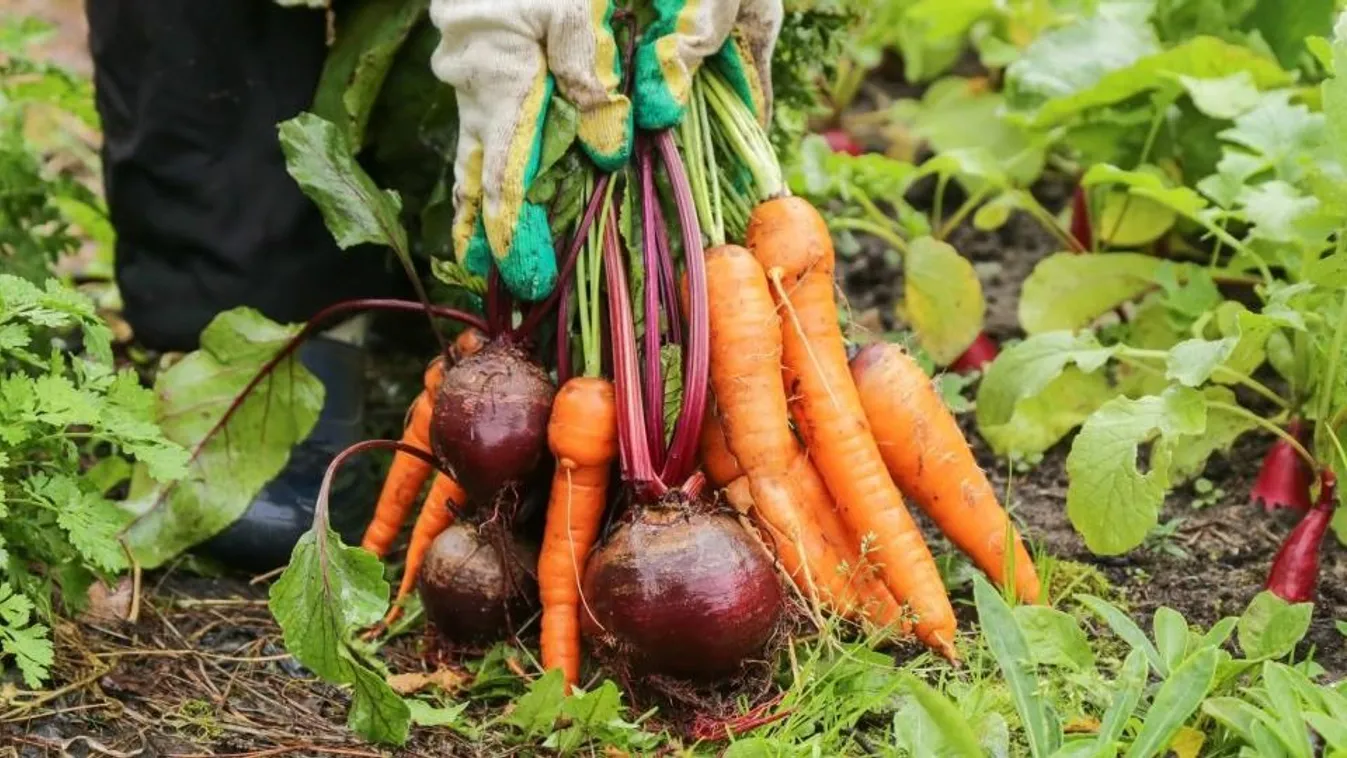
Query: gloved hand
[504, 58]
[737, 35]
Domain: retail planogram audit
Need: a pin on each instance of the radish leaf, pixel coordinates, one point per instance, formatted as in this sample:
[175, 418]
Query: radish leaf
[1054, 637]
[1074, 58]
[1192, 362]
[942, 298]
[1225, 97]
[230, 462]
[1109, 500]
[1223, 428]
[1068, 291]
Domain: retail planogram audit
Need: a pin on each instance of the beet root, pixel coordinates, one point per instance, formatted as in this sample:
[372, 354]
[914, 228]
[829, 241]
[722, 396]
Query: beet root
[977, 356]
[490, 421]
[681, 594]
[473, 591]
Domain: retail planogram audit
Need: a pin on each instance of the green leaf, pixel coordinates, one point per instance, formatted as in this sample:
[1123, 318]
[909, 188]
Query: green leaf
[1278, 211]
[1200, 58]
[1008, 645]
[1283, 135]
[955, 731]
[1342, 627]
[1270, 627]
[1054, 637]
[1224, 427]
[23, 638]
[1177, 699]
[1192, 362]
[942, 298]
[1031, 394]
[328, 591]
[822, 174]
[369, 36]
[1224, 97]
[1073, 58]
[1127, 690]
[231, 463]
[425, 714]
[1334, 90]
[454, 274]
[958, 114]
[1147, 182]
[538, 709]
[355, 210]
[1171, 636]
[1284, 26]
[559, 133]
[1123, 626]
[1109, 501]
[1129, 221]
[1068, 291]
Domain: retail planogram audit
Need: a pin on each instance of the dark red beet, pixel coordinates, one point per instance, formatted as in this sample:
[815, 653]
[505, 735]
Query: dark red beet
[1080, 220]
[1284, 479]
[490, 422]
[681, 594]
[1295, 571]
[842, 142]
[470, 591]
[977, 356]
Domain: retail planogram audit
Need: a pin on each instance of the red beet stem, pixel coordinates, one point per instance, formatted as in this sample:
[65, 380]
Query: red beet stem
[1284, 478]
[682, 457]
[1295, 571]
[977, 356]
[539, 310]
[1080, 220]
[654, 377]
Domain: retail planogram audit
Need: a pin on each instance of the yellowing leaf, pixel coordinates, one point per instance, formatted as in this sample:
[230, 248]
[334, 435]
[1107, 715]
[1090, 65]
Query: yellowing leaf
[1132, 221]
[942, 298]
[1068, 291]
[1187, 743]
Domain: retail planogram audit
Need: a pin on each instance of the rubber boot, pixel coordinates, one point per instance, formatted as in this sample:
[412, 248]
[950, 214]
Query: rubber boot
[265, 535]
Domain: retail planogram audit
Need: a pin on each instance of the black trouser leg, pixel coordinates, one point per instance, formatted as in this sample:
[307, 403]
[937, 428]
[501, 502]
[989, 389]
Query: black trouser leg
[207, 219]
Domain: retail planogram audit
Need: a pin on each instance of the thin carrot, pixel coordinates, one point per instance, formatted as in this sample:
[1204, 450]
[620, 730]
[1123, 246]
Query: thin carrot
[790, 239]
[931, 462]
[436, 516]
[814, 547]
[582, 433]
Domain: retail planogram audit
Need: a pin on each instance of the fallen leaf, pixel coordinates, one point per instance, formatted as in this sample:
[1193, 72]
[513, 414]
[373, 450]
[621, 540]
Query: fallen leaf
[1081, 725]
[108, 605]
[410, 683]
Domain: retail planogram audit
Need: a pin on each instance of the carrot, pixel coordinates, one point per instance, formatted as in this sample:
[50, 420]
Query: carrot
[582, 433]
[436, 516]
[813, 545]
[790, 239]
[408, 474]
[929, 459]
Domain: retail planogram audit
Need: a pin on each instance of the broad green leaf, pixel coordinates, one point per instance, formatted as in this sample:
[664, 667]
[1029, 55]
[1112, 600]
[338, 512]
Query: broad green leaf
[1109, 501]
[233, 461]
[1130, 221]
[328, 591]
[1284, 26]
[1073, 58]
[1270, 627]
[1055, 638]
[955, 731]
[1007, 411]
[425, 714]
[367, 41]
[1068, 291]
[1171, 636]
[1127, 690]
[1282, 134]
[455, 274]
[1234, 714]
[1224, 427]
[1278, 211]
[822, 174]
[1127, 629]
[1278, 683]
[1147, 183]
[1038, 422]
[1334, 90]
[1008, 645]
[957, 114]
[942, 298]
[355, 210]
[1200, 57]
[1192, 362]
[537, 710]
[1225, 97]
[1177, 699]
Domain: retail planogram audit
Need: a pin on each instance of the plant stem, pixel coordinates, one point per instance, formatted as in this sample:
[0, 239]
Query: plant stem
[654, 378]
[540, 309]
[1267, 425]
[938, 211]
[1046, 220]
[961, 213]
[1222, 371]
[869, 227]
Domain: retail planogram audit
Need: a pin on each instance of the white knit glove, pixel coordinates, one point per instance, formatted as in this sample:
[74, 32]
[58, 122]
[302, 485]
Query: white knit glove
[503, 59]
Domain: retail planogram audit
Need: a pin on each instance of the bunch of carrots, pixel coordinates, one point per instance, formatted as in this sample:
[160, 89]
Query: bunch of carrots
[814, 454]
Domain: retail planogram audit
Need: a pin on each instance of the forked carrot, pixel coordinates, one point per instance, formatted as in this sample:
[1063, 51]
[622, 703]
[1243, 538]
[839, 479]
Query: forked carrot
[437, 513]
[929, 459]
[790, 239]
[582, 433]
[814, 547]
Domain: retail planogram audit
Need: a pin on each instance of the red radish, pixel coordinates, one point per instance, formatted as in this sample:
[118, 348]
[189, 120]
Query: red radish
[490, 422]
[841, 141]
[1284, 479]
[977, 356]
[1295, 570]
[470, 590]
[1080, 220]
[680, 592]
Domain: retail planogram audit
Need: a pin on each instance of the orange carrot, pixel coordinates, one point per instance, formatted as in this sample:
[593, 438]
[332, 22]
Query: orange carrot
[405, 477]
[790, 239]
[813, 545]
[437, 513]
[929, 458]
[582, 433]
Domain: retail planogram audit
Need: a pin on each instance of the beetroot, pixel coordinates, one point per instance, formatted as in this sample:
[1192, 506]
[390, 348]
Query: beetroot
[1295, 571]
[1284, 479]
[841, 141]
[490, 422]
[977, 356]
[472, 589]
[680, 593]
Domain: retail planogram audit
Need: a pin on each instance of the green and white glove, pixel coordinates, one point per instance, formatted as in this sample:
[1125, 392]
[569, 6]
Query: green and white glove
[504, 59]
[738, 36]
